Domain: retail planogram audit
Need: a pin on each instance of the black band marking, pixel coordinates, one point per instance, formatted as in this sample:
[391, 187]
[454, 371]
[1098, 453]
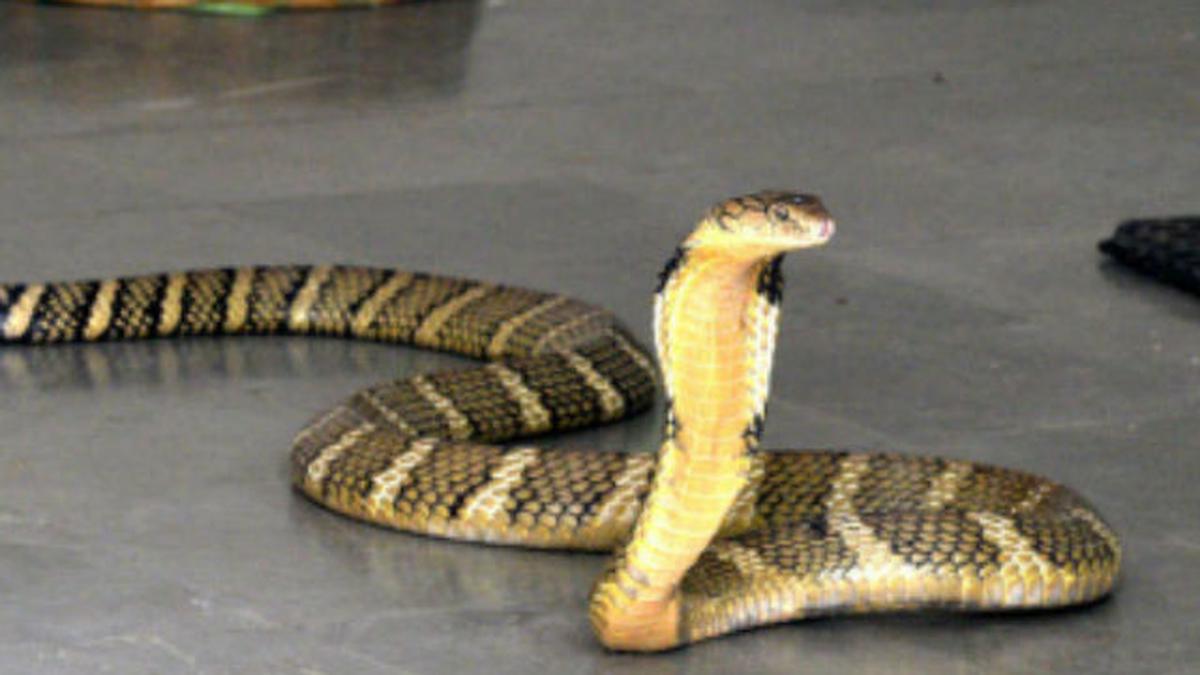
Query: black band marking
[672, 426]
[753, 433]
[770, 281]
[672, 266]
[9, 295]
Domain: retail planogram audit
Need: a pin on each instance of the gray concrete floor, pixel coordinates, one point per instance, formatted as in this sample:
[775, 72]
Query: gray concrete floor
[972, 156]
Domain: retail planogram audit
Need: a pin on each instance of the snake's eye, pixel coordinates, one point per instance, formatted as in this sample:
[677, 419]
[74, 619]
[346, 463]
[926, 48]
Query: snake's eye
[781, 213]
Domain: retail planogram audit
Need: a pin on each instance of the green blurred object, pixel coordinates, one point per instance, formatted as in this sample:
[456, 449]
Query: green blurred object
[231, 9]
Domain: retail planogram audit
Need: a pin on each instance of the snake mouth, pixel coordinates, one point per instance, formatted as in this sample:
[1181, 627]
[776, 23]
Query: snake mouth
[828, 227]
[813, 234]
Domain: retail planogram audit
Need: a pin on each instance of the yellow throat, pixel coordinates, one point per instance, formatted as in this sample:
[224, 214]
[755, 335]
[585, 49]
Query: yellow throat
[716, 313]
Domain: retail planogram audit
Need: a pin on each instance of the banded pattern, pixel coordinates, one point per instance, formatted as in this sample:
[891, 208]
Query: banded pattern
[712, 536]
[407, 453]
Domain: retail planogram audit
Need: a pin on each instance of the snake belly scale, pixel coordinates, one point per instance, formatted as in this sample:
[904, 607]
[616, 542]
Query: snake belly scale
[712, 535]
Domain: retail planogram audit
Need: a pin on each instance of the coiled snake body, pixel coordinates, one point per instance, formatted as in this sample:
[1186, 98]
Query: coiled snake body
[713, 536]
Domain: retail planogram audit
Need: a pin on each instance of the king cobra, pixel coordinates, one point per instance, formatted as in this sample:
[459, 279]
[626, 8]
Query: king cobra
[712, 536]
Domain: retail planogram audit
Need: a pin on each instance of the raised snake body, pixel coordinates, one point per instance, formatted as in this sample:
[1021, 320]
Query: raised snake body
[715, 535]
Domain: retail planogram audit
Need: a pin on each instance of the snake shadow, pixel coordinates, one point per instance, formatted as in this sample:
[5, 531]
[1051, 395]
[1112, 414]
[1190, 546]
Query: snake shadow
[1171, 300]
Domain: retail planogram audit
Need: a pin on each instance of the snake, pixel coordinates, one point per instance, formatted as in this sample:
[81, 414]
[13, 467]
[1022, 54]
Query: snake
[710, 535]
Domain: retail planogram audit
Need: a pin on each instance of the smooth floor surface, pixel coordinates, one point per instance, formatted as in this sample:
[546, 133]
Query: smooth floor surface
[974, 153]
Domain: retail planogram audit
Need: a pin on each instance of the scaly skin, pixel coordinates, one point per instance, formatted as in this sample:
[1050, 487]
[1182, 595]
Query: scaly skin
[711, 324]
[713, 536]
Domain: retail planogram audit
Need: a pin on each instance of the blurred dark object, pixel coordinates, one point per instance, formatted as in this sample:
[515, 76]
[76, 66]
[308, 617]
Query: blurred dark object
[1167, 249]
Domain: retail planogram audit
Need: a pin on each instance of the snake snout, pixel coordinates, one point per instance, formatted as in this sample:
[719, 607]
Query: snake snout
[801, 218]
[828, 228]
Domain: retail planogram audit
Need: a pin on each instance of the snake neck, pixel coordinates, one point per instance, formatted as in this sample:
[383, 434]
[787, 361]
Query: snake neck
[715, 324]
[715, 321]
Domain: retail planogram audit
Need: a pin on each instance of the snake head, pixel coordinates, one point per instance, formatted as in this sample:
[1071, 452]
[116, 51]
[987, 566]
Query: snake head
[765, 223]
